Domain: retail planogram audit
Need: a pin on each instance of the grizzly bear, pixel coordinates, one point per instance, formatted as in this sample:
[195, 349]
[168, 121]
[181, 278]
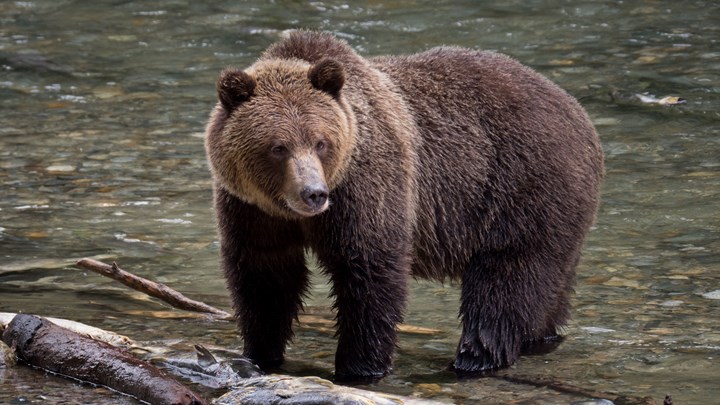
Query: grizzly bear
[451, 164]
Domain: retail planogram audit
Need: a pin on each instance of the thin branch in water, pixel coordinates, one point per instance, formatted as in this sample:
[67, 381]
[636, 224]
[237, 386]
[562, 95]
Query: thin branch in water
[151, 288]
[559, 386]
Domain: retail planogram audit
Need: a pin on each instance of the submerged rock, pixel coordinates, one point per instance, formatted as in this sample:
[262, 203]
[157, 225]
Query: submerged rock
[32, 60]
[288, 390]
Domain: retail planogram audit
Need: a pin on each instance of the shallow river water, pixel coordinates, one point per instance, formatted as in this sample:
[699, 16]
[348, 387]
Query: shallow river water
[102, 108]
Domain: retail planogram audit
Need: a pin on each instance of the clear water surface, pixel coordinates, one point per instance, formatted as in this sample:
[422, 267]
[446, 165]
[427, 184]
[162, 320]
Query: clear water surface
[103, 106]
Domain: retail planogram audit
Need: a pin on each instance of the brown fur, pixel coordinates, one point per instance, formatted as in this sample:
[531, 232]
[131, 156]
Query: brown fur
[450, 163]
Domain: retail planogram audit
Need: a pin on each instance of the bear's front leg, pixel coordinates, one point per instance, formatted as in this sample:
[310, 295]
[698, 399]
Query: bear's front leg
[370, 290]
[264, 265]
[267, 295]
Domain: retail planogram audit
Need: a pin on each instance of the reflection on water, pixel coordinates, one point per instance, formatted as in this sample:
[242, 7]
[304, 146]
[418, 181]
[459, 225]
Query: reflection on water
[103, 107]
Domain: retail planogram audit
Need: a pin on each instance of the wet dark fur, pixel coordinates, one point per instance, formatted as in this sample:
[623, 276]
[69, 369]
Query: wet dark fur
[467, 165]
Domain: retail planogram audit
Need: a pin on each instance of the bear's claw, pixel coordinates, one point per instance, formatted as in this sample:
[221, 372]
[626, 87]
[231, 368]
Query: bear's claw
[467, 364]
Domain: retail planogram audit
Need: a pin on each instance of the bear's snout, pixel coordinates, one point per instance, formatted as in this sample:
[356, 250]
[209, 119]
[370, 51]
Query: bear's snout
[315, 196]
[306, 192]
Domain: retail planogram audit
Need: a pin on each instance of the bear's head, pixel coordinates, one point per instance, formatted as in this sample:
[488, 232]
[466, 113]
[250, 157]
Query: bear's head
[281, 135]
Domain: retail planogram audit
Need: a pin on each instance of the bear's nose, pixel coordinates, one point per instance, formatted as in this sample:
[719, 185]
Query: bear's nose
[314, 196]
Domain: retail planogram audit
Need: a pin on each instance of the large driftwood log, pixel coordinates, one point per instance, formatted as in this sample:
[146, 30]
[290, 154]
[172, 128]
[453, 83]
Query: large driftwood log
[79, 328]
[43, 344]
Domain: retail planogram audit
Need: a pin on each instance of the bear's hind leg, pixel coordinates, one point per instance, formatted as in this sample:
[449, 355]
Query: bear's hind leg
[509, 299]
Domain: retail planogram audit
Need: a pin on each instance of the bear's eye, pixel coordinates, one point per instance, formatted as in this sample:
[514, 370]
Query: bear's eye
[320, 146]
[278, 150]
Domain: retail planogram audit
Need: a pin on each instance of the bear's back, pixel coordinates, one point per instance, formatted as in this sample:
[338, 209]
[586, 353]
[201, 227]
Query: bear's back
[500, 144]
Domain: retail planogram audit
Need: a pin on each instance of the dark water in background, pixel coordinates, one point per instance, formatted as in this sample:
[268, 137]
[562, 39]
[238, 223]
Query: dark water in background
[102, 108]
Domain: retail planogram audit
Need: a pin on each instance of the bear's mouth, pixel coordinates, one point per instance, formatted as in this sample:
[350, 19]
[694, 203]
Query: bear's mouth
[307, 209]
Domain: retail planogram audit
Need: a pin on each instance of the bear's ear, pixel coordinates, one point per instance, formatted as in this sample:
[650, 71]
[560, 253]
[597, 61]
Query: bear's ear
[234, 87]
[327, 75]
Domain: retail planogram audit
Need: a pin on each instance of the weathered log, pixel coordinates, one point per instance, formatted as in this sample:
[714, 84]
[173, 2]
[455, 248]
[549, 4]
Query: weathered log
[151, 288]
[45, 345]
[79, 328]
